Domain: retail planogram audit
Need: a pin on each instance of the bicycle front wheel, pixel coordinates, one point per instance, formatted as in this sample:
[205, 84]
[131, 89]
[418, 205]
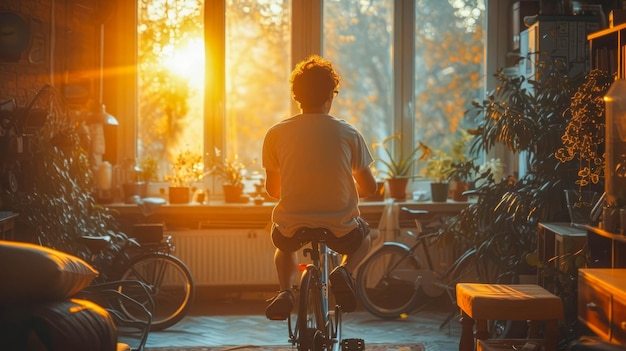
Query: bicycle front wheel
[169, 283]
[311, 320]
[384, 282]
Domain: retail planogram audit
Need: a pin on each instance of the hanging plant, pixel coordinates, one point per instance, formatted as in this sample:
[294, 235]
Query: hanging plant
[583, 138]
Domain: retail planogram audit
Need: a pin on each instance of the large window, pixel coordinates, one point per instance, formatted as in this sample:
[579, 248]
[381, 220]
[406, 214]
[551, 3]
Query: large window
[170, 80]
[449, 60]
[358, 38]
[258, 45]
[403, 72]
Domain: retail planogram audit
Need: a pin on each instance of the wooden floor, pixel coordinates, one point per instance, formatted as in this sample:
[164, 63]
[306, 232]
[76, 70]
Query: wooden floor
[237, 318]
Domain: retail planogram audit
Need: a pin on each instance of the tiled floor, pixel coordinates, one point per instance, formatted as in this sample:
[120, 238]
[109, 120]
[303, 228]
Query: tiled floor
[238, 319]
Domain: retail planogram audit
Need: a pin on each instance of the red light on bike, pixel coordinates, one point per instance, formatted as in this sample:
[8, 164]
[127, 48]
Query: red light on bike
[302, 267]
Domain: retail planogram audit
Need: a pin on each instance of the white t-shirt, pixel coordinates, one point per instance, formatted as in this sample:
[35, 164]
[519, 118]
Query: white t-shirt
[315, 155]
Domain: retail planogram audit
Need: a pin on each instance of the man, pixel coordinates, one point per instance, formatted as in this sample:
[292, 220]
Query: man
[317, 166]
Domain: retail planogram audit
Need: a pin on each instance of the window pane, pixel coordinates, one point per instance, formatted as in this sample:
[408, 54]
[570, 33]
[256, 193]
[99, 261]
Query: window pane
[357, 39]
[257, 73]
[170, 79]
[449, 56]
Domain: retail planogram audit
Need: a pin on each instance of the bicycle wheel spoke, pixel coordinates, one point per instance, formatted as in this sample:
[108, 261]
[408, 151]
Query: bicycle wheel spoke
[170, 286]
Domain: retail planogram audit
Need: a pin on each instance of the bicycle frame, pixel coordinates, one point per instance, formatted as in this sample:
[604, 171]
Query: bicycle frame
[316, 255]
[317, 273]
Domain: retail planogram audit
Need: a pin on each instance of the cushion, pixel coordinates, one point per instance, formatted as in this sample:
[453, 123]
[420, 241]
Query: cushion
[508, 302]
[70, 324]
[31, 273]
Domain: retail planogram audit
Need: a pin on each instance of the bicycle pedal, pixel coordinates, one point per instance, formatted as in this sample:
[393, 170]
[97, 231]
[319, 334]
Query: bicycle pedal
[352, 344]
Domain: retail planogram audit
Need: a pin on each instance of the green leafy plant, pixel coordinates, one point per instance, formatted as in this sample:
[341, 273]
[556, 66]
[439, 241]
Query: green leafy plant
[455, 165]
[230, 171]
[188, 167]
[527, 115]
[397, 163]
[58, 207]
[149, 168]
[439, 167]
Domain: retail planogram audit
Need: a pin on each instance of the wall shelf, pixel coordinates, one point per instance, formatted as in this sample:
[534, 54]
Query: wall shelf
[608, 50]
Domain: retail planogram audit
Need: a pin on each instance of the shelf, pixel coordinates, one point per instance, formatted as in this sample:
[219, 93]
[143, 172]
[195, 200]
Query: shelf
[605, 32]
[606, 249]
[606, 234]
[607, 49]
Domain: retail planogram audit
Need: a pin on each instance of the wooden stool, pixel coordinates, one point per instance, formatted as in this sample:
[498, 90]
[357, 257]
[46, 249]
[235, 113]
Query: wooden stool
[480, 303]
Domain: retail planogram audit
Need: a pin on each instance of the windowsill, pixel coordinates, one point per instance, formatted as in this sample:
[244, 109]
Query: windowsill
[218, 214]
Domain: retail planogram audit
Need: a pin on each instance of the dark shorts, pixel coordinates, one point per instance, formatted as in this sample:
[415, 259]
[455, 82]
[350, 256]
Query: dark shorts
[346, 244]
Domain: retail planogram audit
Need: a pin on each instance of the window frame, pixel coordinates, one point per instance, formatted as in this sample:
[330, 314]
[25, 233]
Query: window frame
[120, 89]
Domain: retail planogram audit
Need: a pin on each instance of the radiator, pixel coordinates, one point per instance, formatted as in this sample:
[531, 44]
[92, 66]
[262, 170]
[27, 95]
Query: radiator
[231, 257]
[227, 256]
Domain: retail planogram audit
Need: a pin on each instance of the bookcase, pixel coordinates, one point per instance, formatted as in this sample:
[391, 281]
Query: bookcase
[608, 50]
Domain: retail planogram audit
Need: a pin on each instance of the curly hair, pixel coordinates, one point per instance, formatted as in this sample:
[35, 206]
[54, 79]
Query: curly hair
[313, 81]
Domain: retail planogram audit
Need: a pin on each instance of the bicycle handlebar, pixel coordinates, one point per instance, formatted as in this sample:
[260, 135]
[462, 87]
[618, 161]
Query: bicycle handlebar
[414, 212]
[149, 204]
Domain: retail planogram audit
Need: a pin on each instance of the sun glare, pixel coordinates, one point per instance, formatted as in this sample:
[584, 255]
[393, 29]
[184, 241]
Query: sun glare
[187, 61]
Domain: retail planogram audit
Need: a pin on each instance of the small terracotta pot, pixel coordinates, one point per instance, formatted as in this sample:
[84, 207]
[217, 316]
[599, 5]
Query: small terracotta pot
[180, 194]
[397, 188]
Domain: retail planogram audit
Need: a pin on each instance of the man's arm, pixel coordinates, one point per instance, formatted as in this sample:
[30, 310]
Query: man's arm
[365, 182]
[272, 183]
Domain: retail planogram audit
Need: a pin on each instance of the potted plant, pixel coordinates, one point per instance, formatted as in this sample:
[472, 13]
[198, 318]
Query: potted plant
[439, 169]
[522, 115]
[188, 167]
[463, 175]
[231, 172]
[397, 165]
[452, 172]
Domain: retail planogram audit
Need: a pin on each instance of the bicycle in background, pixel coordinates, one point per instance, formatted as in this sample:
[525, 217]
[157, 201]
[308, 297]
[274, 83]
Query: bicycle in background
[145, 257]
[395, 280]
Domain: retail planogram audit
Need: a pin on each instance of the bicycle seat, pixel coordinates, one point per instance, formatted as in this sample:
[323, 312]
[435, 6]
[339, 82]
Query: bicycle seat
[96, 242]
[309, 234]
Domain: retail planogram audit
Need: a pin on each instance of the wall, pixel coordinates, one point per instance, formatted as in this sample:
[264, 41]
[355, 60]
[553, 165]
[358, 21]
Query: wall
[62, 50]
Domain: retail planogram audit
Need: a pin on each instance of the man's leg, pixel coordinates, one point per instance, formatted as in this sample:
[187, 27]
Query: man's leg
[352, 261]
[341, 280]
[286, 267]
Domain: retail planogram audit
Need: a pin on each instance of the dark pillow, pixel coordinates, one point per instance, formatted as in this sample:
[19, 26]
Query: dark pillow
[70, 324]
[31, 273]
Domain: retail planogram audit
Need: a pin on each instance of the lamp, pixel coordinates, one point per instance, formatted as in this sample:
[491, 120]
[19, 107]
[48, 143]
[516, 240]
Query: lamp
[615, 142]
[102, 116]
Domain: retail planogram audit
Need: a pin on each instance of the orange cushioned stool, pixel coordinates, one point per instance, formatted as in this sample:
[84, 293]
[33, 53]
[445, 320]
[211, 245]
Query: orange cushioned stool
[480, 303]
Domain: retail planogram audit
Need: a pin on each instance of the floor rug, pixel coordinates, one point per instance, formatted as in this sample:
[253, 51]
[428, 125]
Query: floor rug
[368, 347]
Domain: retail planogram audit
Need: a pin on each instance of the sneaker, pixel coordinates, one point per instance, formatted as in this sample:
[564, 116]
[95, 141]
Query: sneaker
[280, 306]
[342, 285]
